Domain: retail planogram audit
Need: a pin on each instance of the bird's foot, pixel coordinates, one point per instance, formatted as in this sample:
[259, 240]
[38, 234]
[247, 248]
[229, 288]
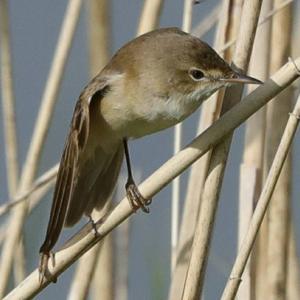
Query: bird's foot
[94, 226]
[135, 198]
[43, 266]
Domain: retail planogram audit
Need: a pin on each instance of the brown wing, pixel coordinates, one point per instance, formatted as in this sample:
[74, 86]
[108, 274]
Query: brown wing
[66, 178]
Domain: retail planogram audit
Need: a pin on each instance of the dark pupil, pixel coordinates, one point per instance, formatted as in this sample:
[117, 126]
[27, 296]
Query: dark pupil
[197, 74]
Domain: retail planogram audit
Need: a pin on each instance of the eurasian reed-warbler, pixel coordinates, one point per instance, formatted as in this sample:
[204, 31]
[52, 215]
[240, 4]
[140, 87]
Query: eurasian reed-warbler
[152, 83]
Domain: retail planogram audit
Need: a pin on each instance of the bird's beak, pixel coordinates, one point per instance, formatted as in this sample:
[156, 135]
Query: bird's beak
[240, 78]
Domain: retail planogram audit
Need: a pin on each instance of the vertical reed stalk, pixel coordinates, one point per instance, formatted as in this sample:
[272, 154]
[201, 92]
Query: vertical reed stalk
[252, 166]
[121, 254]
[9, 124]
[209, 113]
[99, 34]
[99, 256]
[277, 113]
[8, 102]
[149, 19]
[186, 26]
[293, 267]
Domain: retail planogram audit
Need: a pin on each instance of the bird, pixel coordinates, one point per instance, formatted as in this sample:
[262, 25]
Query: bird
[152, 83]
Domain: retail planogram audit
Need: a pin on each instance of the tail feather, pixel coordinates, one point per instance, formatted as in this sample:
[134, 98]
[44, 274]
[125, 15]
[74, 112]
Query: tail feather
[62, 194]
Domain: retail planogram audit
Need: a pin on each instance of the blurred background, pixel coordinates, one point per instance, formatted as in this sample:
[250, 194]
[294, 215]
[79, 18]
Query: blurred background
[34, 28]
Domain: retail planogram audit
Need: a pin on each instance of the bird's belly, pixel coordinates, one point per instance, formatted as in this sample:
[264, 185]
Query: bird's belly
[158, 117]
[142, 127]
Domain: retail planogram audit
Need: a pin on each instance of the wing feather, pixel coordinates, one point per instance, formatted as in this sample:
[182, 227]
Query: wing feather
[66, 178]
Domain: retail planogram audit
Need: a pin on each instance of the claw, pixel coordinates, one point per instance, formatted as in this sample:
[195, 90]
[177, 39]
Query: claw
[93, 225]
[52, 257]
[43, 266]
[136, 199]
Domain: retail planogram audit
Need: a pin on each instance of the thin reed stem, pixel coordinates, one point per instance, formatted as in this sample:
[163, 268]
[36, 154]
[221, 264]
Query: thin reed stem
[186, 26]
[279, 211]
[38, 183]
[9, 122]
[149, 19]
[210, 111]
[265, 19]
[8, 102]
[251, 169]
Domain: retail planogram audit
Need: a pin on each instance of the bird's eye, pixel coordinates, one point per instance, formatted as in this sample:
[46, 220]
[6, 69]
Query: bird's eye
[196, 74]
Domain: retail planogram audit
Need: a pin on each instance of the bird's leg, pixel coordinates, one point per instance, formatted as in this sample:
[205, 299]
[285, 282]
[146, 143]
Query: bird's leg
[134, 196]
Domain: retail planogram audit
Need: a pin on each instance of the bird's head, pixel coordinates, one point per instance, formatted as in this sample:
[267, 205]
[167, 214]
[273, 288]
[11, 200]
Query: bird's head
[168, 61]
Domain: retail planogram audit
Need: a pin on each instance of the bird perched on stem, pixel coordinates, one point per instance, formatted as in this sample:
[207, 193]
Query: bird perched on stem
[153, 82]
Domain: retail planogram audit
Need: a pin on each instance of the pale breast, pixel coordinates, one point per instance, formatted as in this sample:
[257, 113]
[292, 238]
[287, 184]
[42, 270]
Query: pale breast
[139, 116]
[157, 114]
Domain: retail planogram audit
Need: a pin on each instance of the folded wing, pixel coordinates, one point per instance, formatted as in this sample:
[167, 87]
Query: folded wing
[67, 173]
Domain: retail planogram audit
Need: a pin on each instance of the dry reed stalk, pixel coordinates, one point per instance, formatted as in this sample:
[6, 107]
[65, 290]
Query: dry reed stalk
[39, 194]
[19, 262]
[277, 115]
[210, 20]
[186, 26]
[40, 182]
[18, 216]
[187, 15]
[249, 186]
[18, 258]
[8, 102]
[85, 269]
[203, 233]
[252, 165]
[99, 45]
[103, 287]
[9, 124]
[272, 13]
[260, 260]
[175, 201]
[262, 204]
[100, 256]
[86, 238]
[121, 252]
[34, 199]
[209, 113]
[36, 193]
[149, 19]
[293, 267]
[98, 34]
